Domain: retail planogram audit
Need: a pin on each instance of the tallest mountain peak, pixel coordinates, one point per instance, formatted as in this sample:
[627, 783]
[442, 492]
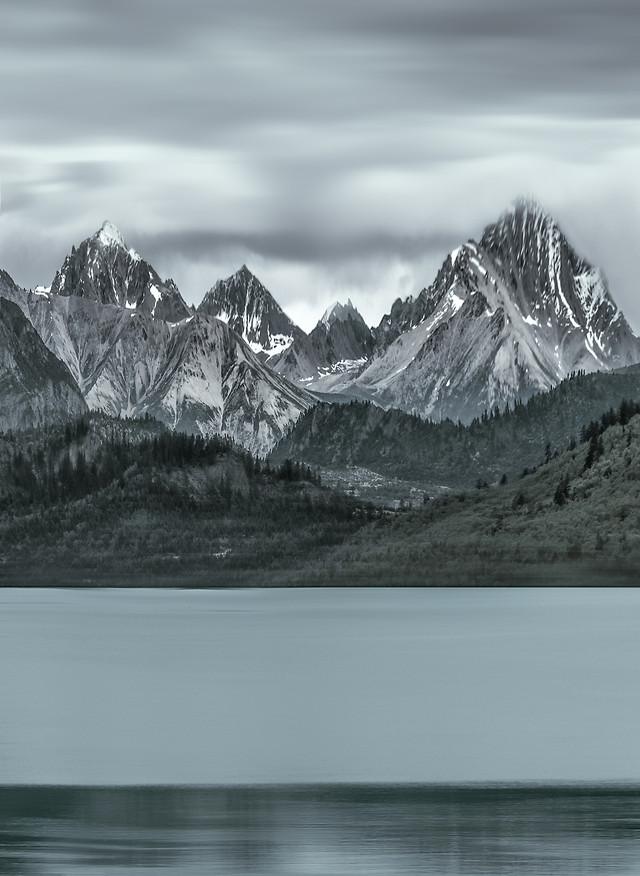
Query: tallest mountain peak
[526, 209]
[109, 235]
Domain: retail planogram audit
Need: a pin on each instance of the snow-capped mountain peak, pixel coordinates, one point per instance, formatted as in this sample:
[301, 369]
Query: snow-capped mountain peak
[103, 270]
[109, 235]
[251, 311]
[509, 315]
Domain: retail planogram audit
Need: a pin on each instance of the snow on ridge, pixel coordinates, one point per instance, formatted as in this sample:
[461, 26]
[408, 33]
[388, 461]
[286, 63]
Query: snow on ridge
[110, 236]
[456, 301]
[278, 344]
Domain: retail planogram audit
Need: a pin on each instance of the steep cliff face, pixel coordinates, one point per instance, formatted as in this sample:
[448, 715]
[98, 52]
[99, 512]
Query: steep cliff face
[36, 388]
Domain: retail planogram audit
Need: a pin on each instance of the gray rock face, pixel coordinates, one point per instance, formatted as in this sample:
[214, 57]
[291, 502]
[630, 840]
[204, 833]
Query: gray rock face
[36, 388]
[505, 317]
[211, 382]
[247, 307]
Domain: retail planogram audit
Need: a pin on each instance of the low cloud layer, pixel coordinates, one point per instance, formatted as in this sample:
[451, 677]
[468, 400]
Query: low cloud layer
[337, 147]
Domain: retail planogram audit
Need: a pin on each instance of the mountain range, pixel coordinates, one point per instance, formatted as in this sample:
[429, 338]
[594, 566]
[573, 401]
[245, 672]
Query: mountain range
[134, 347]
[506, 317]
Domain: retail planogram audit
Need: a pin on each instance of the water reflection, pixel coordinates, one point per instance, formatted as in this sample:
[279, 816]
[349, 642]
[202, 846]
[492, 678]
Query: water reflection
[321, 830]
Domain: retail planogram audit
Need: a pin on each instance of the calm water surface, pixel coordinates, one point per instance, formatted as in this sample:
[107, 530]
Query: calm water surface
[179, 688]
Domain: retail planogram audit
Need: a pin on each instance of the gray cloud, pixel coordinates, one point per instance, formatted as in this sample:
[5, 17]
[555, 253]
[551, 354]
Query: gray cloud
[315, 135]
[216, 71]
[202, 245]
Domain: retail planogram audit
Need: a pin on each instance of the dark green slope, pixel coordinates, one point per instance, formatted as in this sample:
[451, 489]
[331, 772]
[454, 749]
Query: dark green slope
[128, 503]
[399, 445]
[574, 521]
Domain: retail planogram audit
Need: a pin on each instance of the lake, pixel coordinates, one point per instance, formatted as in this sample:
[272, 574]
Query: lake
[445, 830]
[404, 730]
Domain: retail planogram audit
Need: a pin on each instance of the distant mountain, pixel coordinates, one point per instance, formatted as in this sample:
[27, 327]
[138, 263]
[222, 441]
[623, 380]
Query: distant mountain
[444, 454]
[134, 347]
[339, 345]
[103, 270]
[36, 389]
[247, 307]
[341, 341]
[506, 317]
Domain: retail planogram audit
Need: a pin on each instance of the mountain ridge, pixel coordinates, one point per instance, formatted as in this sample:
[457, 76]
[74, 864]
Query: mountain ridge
[134, 347]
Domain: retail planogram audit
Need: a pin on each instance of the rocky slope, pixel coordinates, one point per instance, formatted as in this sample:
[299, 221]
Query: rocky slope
[36, 389]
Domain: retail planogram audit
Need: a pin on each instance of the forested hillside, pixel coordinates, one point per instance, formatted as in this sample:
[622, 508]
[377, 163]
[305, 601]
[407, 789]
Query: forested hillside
[106, 502]
[574, 520]
[121, 502]
[497, 444]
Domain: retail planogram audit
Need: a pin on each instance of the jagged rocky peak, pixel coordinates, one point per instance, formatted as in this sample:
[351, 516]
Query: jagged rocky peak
[109, 235]
[340, 344]
[549, 282]
[248, 308]
[103, 270]
[338, 312]
[509, 315]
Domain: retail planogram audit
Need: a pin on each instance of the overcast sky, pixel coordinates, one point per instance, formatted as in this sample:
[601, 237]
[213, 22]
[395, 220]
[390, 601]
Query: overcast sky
[340, 148]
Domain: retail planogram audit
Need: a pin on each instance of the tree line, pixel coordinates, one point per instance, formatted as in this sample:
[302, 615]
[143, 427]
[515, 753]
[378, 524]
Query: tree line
[67, 465]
